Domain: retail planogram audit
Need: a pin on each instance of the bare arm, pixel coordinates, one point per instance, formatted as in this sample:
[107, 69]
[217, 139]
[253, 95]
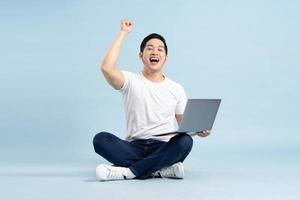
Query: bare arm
[108, 67]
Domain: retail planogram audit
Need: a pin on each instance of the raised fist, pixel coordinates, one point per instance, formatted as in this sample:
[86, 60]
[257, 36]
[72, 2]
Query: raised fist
[126, 25]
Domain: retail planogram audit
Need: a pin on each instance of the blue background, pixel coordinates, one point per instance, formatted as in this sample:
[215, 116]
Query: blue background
[54, 98]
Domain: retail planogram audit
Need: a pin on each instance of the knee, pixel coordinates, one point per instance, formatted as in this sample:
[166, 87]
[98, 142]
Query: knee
[99, 140]
[185, 142]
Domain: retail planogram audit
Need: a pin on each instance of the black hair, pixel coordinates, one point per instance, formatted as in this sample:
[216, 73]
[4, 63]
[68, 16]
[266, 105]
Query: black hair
[152, 36]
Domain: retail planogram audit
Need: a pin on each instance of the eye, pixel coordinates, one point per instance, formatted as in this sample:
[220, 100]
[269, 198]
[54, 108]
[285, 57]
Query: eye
[149, 48]
[160, 49]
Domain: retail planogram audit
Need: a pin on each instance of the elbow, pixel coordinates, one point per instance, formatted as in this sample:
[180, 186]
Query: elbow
[103, 67]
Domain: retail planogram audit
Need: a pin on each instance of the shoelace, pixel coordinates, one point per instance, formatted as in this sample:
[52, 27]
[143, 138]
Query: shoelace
[169, 172]
[115, 174]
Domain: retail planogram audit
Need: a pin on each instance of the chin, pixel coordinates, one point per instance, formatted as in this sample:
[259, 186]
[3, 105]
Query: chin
[154, 68]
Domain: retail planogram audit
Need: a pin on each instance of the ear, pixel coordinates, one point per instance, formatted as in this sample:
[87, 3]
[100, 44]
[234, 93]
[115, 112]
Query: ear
[141, 55]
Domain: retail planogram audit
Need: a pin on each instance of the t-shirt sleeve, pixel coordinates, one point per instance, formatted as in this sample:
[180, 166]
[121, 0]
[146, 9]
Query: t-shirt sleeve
[126, 84]
[181, 101]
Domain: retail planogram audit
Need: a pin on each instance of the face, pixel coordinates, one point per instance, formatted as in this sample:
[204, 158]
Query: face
[154, 55]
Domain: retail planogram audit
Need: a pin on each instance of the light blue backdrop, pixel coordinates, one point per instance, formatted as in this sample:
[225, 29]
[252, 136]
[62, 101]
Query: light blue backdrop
[54, 99]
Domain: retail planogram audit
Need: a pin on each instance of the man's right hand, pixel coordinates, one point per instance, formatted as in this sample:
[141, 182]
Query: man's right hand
[126, 25]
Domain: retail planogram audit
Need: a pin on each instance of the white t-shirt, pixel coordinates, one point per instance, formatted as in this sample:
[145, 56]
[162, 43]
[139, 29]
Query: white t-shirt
[150, 107]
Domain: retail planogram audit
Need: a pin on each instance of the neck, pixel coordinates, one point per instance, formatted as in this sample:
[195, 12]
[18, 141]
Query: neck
[154, 76]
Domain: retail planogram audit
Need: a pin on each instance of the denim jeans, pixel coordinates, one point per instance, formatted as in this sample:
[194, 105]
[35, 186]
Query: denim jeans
[143, 157]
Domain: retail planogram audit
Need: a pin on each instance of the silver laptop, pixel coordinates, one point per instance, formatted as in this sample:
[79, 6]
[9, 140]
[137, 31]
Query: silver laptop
[199, 115]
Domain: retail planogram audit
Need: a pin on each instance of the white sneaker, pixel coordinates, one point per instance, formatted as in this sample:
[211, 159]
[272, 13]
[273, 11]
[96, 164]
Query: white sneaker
[107, 173]
[174, 171]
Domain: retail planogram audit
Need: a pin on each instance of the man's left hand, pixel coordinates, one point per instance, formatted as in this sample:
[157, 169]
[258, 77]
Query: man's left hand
[203, 133]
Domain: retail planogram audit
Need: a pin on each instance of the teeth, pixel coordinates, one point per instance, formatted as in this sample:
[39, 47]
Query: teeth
[154, 59]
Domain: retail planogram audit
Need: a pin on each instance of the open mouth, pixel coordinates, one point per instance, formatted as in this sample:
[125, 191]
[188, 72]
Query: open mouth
[154, 60]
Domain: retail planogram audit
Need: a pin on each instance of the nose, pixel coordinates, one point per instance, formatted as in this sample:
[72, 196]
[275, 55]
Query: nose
[154, 51]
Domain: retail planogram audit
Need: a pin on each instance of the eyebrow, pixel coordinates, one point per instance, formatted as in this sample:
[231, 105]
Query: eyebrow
[151, 45]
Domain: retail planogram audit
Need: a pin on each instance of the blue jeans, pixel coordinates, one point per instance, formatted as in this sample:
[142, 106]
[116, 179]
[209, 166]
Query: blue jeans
[143, 157]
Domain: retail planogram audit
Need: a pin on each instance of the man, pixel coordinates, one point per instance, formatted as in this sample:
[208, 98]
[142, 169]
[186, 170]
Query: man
[152, 102]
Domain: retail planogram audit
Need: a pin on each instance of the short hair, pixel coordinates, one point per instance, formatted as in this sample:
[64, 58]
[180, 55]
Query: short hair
[153, 36]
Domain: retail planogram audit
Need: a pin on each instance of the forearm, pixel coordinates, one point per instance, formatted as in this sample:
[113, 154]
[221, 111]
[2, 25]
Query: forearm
[111, 57]
[178, 118]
